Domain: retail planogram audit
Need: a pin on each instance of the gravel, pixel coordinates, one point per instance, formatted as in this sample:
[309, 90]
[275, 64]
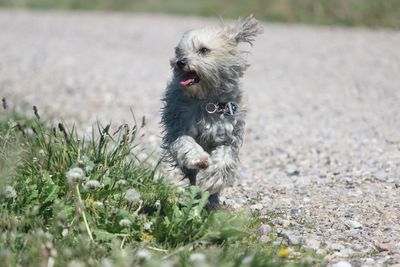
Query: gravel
[353, 224]
[322, 142]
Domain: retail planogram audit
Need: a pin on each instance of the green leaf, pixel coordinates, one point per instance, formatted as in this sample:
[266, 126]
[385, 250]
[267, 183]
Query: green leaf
[103, 235]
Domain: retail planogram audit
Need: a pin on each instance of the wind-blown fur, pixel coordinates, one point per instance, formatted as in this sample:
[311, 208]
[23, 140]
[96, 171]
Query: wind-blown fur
[206, 69]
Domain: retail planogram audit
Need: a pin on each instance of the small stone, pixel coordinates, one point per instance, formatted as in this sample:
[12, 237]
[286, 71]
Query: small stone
[256, 207]
[354, 233]
[286, 223]
[264, 229]
[342, 264]
[380, 176]
[297, 211]
[292, 238]
[290, 170]
[369, 261]
[351, 224]
[263, 239]
[277, 221]
[346, 252]
[384, 247]
[336, 246]
[311, 244]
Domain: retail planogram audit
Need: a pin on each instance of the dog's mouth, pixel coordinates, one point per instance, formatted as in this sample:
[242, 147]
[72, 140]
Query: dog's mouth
[189, 78]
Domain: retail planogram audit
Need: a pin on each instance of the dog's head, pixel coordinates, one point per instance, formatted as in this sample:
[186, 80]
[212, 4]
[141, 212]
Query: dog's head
[207, 61]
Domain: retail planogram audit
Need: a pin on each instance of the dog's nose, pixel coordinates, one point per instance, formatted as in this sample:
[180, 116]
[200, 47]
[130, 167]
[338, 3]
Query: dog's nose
[181, 63]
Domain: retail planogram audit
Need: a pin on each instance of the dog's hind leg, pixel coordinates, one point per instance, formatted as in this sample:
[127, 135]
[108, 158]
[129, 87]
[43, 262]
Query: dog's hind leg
[223, 162]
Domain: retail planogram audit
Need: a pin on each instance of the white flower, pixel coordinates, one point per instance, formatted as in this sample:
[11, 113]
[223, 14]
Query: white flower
[107, 263]
[199, 259]
[247, 260]
[125, 223]
[98, 204]
[168, 263]
[143, 254]
[41, 153]
[92, 185]
[89, 165]
[147, 225]
[132, 195]
[11, 124]
[75, 263]
[121, 182]
[88, 168]
[10, 192]
[75, 175]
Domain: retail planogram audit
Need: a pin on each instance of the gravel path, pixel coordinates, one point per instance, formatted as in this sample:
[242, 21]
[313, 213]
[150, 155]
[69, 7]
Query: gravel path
[321, 155]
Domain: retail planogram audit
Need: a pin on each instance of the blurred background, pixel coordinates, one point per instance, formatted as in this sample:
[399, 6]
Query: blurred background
[375, 13]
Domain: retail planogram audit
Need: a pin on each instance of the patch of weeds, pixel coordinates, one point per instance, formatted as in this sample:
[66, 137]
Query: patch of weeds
[71, 201]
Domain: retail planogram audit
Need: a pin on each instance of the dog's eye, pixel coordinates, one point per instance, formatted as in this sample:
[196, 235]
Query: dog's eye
[204, 50]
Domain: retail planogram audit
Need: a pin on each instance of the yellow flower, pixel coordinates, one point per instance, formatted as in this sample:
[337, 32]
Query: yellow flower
[283, 252]
[89, 200]
[147, 237]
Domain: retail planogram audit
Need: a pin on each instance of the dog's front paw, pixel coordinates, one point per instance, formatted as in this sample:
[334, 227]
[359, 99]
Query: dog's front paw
[199, 161]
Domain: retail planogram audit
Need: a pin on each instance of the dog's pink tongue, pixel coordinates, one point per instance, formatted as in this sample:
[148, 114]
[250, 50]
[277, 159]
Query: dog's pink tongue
[188, 79]
[186, 82]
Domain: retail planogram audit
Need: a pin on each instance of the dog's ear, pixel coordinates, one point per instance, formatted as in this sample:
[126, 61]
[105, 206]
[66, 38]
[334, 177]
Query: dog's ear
[245, 30]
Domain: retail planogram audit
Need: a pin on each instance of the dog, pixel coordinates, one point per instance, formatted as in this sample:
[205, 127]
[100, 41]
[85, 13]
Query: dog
[202, 116]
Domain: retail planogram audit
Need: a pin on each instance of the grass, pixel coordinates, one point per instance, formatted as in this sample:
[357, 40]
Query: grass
[71, 201]
[371, 13]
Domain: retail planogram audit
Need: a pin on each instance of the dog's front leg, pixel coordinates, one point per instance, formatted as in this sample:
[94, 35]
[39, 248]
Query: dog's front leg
[223, 161]
[188, 154]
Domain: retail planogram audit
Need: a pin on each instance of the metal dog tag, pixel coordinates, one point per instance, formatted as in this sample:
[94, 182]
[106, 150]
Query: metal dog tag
[211, 108]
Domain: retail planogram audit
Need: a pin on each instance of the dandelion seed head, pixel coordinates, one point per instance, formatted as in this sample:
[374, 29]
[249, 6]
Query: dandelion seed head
[41, 153]
[199, 259]
[132, 195]
[107, 263]
[92, 185]
[11, 123]
[10, 192]
[125, 223]
[87, 163]
[247, 260]
[75, 263]
[168, 263]
[147, 225]
[143, 254]
[75, 175]
[89, 168]
[98, 204]
[121, 182]
[30, 132]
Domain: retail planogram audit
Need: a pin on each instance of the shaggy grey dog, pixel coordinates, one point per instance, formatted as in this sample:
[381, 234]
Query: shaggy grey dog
[203, 116]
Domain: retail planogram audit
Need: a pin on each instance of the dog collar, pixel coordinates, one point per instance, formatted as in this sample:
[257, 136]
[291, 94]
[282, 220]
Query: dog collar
[223, 108]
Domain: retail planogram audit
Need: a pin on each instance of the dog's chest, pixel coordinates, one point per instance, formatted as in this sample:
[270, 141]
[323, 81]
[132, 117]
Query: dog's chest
[211, 130]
